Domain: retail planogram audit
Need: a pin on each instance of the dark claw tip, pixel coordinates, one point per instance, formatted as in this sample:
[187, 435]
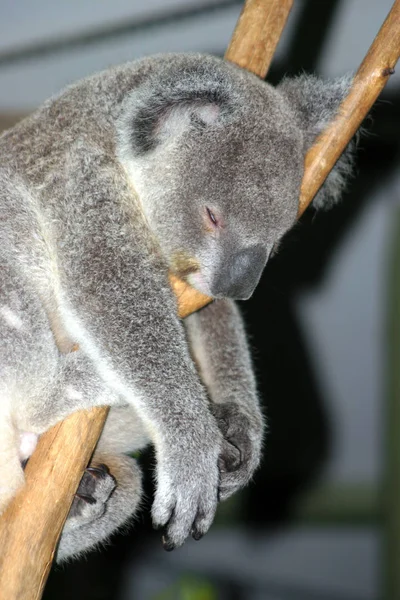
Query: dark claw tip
[86, 498]
[168, 546]
[196, 535]
[100, 471]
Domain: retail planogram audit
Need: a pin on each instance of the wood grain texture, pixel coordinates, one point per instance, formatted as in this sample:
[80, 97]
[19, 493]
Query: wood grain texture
[257, 34]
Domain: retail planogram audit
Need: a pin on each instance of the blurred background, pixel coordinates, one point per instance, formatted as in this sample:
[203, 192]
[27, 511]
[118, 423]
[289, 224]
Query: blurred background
[322, 518]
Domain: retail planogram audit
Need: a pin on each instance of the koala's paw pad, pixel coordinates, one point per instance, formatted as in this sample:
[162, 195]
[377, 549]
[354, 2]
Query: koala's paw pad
[95, 488]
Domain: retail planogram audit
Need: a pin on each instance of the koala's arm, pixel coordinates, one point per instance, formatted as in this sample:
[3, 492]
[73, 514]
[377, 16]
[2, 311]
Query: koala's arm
[219, 347]
[119, 307]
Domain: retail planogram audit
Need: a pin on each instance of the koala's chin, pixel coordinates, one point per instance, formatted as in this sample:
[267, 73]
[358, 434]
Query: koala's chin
[199, 283]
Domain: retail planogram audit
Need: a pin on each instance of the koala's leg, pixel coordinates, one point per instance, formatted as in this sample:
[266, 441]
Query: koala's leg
[219, 346]
[120, 309]
[110, 489]
[107, 498]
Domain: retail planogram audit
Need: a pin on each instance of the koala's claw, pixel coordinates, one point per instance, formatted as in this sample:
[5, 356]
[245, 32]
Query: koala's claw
[241, 449]
[187, 493]
[188, 519]
[101, 471]
[231, 458]
[196, 535]
[86, 498]
[95, 487]
[167, 544]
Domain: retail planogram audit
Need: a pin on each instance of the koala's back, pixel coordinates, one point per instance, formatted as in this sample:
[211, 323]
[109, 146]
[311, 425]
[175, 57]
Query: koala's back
[35, 157]
[28, 354]
[37, 160]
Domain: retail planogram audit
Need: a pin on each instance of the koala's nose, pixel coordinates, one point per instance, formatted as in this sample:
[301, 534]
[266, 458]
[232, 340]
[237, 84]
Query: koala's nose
[241, 274]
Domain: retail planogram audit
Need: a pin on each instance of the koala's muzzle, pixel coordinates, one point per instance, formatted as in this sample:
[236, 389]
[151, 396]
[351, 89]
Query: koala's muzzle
[240, 274]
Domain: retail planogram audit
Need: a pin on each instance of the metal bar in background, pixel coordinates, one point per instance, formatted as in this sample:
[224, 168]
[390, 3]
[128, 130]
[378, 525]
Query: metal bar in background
[63, 43]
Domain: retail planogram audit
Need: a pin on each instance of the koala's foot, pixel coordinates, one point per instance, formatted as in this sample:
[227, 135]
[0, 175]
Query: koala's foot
[187, 492]
[241, 449]
[108, 496]
[95, 488]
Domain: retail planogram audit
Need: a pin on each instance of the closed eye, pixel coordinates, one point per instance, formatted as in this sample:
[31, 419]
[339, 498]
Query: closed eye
[212, 217]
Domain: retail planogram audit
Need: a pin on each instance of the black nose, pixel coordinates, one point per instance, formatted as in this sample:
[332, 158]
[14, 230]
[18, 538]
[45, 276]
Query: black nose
[240, 274]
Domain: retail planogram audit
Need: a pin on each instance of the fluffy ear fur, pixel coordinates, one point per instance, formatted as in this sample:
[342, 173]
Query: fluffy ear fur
[315, 103]
[167, 105]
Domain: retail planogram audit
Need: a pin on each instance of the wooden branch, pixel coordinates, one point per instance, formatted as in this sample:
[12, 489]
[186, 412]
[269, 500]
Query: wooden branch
[31, 526]
[369, 81]
[257, 34]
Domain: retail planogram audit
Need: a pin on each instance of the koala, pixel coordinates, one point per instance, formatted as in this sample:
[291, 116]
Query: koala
[180, 163]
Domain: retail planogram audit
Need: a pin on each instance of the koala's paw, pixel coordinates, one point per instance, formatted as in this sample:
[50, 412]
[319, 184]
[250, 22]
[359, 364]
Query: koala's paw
[95, 488]
[187, 492]
[241, 449]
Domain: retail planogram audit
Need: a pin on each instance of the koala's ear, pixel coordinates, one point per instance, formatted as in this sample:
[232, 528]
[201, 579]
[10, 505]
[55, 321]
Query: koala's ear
[161, 111]
[315, 104]
[314, 101]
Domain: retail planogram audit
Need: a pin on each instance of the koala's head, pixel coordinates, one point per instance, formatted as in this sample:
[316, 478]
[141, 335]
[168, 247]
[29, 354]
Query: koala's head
[216, 156]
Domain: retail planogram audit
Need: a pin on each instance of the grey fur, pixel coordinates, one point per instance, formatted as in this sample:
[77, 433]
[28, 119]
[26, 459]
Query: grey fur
[216, 158]
[315, 102]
